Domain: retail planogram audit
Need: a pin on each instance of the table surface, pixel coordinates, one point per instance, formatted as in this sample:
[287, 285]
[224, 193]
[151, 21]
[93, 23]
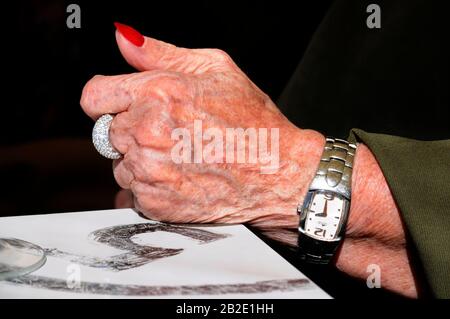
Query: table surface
[119, 254]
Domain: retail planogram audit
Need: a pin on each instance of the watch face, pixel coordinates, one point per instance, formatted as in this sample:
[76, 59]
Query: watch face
[324, 215]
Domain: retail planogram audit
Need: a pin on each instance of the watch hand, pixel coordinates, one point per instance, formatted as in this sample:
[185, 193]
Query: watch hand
[325, 210]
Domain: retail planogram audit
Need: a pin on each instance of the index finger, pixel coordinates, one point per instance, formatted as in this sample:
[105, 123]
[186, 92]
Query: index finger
[107, 95]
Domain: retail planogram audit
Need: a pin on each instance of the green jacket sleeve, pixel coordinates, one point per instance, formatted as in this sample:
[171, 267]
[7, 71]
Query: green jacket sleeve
[418, 174]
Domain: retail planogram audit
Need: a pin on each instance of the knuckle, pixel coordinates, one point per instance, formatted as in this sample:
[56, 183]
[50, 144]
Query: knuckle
[139, 167]
[150, 171]
[169, 80]
[122, 175]
[154, 133]
[221, 56]
[165, 88]
[119, 134]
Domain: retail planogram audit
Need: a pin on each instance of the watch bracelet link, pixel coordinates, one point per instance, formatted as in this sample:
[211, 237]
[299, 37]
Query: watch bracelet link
[335, 168]
[333, 174]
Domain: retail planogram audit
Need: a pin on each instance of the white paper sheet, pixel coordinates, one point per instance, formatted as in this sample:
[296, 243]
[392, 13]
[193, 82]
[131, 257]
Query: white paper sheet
[118, 254]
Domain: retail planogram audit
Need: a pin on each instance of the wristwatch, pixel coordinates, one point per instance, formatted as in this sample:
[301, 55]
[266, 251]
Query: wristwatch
[324, 212]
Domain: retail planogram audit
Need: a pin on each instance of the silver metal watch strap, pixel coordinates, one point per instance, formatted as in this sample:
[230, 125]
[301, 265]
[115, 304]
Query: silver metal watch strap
[335, 167]
[334, 174]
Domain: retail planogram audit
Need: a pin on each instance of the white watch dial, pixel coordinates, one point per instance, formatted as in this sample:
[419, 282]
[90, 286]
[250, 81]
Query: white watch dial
[324, 215]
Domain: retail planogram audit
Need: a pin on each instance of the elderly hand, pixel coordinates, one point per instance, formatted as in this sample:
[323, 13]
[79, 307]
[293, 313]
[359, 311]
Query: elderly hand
[179, 88]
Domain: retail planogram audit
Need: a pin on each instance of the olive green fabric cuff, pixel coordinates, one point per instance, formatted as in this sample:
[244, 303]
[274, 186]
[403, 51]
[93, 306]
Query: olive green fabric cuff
[418, 174]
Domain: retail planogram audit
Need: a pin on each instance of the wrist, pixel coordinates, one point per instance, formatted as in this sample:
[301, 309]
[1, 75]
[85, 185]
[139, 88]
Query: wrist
[306, 151]
[373, 209]
[300, 152]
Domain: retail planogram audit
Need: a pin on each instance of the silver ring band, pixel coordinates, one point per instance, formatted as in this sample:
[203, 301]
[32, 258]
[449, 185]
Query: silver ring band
[100, 137]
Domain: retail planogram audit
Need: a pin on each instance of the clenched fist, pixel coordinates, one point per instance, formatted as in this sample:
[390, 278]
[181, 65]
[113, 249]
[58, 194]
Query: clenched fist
[200, 90]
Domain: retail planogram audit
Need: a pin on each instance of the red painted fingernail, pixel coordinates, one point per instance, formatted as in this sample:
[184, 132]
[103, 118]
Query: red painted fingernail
[130, 34]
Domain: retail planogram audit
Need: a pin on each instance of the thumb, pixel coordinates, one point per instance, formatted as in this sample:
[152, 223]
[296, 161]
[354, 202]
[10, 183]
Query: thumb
[145, 54]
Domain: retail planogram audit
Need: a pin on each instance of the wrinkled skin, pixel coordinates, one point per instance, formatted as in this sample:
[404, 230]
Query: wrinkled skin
[177, 86]
[216, 91]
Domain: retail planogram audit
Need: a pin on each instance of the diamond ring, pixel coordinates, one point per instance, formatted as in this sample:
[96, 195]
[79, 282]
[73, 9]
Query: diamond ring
[100, 137]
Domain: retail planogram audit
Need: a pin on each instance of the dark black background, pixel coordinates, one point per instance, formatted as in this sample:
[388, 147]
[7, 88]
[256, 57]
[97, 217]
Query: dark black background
[47, 162]
[266, 39]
